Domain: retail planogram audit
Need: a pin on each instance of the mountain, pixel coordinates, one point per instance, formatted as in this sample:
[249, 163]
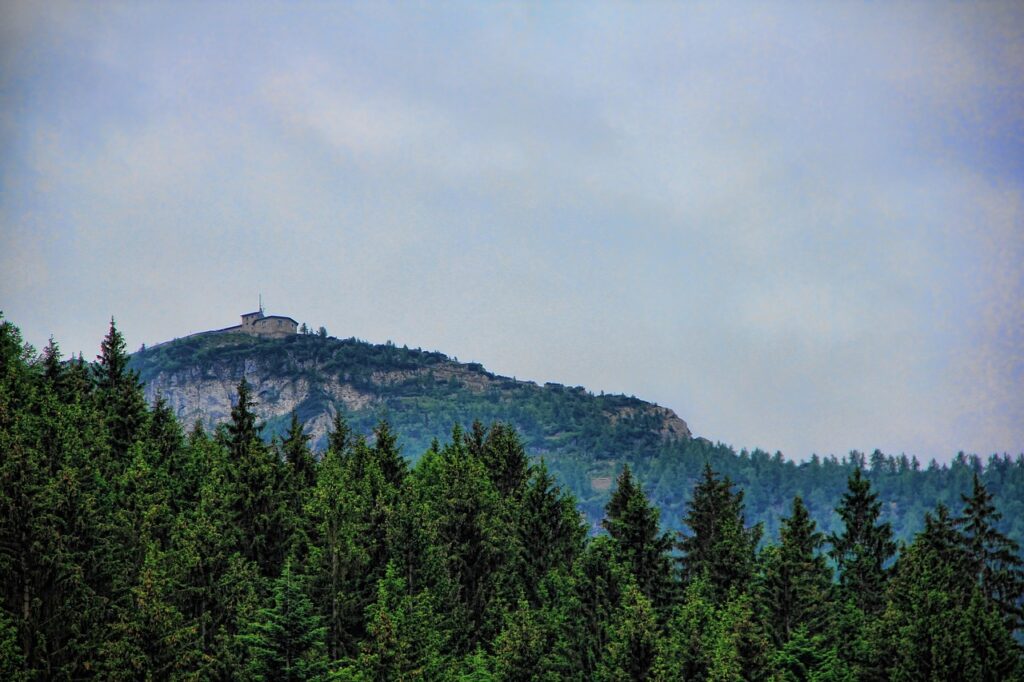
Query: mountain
[584, 438]
[423, 394]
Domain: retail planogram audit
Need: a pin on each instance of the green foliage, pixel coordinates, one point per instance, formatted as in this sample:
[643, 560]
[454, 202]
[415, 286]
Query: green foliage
[285, 641]
[260, 512]
[119, 393]
[633, 644]
[863, 549]
[583, 437]
[938, 625]
[130, 551]
[404, 636]
[706, 640]
[640, 545]
[994, 559]
[718, 546]
[550, 533]
[795, 581]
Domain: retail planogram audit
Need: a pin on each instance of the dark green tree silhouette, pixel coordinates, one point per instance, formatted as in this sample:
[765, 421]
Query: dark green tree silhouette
[795, 580]
[257, 481]
[718, 544]
[863, 548]
[119, 393]
[643, 549]
[994, 558]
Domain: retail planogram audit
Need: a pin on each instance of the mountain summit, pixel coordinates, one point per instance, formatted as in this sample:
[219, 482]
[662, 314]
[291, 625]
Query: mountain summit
[423, 394]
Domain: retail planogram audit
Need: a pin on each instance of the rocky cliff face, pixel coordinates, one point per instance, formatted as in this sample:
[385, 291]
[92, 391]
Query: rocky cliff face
[422, 394]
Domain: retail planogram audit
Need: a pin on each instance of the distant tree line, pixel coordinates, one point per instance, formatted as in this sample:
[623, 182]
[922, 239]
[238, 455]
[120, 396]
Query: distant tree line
[130, 549]
[572, 429]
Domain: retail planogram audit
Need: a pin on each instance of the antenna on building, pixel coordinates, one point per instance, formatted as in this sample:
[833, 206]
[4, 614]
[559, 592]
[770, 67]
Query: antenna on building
[261, 301]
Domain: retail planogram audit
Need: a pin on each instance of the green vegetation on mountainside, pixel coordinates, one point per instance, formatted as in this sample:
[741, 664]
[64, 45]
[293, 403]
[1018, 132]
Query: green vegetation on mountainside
[132, 551]
[423, 394]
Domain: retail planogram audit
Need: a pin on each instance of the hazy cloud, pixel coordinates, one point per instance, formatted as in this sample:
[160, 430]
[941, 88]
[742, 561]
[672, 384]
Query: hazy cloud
[799, 226]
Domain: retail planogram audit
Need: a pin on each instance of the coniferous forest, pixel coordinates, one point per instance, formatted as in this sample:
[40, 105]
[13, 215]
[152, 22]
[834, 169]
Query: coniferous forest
[134, 547]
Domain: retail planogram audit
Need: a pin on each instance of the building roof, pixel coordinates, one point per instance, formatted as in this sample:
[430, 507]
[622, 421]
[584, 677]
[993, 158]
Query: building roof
[279, 317]
[258, 312]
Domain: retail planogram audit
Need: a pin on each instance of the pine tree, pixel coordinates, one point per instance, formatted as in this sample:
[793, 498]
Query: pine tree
[938, 625]
[994, 558]
[339, 436]
[257, 478]
[166, 448]
[809, 657]
[634, 643]
[388, 454]
[528, 646]
[718, 544]
[12, 661]
[863, 549]
[50, 527]
[405, 641]
[286, 641]
[203, 556]
[338, 560]
[713, 641]
[150, 638]
[119, 392]
[299, 479]
[53, 368]
[633, 523]
[686, 652]
[796, 578]
[549, 529]
[472, 528]
[505, 458]
[592, 600]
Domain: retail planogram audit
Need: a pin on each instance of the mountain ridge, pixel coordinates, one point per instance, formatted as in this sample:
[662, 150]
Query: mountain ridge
[316, 375]
[585, 439]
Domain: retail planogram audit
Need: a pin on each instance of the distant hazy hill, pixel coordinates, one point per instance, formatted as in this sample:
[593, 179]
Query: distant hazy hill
[585, 438]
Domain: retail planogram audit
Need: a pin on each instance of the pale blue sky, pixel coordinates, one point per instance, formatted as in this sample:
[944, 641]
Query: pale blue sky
[799, 226]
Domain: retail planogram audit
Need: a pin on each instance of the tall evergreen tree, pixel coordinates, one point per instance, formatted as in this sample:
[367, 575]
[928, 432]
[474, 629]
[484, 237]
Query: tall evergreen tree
[549, 529]
[286, 641]
[591, 599]
[339, 436]
[299, 479]
[938, 625]
[796, 578]
[405, 639]
[471, 526]
[388, 454]
[51, 564]
[633, 523]
[150, 639]
[864, 547]
[505, 458]
[634, 643]
[257, 477]
[718, 544]
[168, 453]
[994, 558]
[119, 392]
[339, 561]
[706, 640]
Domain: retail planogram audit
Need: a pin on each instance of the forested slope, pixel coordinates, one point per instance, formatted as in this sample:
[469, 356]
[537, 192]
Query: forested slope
[584, 438]
[130, 550]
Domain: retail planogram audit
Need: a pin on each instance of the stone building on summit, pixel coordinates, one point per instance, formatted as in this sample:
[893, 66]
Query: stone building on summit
[258, 324]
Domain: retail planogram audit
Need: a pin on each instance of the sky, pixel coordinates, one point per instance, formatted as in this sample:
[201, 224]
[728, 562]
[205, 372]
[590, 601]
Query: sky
[799, 225]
